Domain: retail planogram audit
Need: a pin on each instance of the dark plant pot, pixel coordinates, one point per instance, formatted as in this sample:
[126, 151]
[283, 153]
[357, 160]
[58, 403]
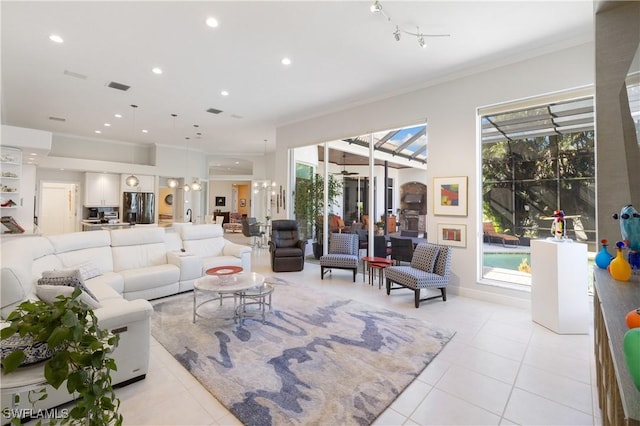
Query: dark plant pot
[317, 250]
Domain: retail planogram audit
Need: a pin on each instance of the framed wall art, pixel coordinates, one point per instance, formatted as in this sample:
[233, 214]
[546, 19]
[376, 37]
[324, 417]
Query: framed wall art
[452, 235]
[450, 196]
[243, 202]
[220, 201]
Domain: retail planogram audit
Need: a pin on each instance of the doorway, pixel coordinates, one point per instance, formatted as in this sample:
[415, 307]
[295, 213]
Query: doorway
[58, 210]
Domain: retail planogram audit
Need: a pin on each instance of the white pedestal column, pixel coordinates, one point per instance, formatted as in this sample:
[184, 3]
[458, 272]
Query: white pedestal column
[559, 281]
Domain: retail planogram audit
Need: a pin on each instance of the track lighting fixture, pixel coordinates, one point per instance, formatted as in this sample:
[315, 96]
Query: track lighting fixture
[396, 33]
[421, 41]
[376, 7]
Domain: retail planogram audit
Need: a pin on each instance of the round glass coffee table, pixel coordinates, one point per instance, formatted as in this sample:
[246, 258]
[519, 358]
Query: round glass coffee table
[219, 287]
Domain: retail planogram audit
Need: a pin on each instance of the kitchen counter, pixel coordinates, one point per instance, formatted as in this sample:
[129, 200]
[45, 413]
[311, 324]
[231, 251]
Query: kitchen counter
[93, 225]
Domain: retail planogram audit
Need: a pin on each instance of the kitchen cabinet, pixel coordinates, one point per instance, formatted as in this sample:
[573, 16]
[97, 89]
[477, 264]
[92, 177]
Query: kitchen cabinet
[146, 183]
[102, 190]
[11, 161]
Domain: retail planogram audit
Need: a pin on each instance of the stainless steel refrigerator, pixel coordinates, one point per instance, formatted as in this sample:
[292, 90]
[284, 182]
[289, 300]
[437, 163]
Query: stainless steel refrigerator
[138, 207]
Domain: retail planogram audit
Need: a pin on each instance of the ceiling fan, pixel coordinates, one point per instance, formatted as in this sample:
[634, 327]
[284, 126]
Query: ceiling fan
[344, 171]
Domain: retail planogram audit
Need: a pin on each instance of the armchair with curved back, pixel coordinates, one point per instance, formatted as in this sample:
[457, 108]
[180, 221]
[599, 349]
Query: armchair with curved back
[286, 247]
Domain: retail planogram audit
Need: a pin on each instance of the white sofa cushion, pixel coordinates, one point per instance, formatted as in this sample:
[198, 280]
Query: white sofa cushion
[138, 248]
[150, 277]
[203, 240]
[81, 248]
[20, 271]
[113, 280]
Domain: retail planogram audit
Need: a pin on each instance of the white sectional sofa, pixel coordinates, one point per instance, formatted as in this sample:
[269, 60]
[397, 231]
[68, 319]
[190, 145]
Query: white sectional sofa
[131, 266]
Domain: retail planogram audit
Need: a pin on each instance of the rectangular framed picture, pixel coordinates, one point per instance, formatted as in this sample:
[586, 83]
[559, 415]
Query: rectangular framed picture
[452, 235]
[243, 202]
[220, 201]
[450, 196]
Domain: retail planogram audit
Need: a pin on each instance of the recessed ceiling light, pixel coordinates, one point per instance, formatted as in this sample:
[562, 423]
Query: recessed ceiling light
[33, 153]
[237, 162]
[107, 124]
[157, 70]
[56, 38]
[145, 131]
[212, 22]
[117, 115]
[286, 61]
[98, 131]
[224, 93]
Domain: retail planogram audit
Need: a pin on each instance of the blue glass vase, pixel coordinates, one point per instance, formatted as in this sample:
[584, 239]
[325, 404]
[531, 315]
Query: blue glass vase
[603, 258]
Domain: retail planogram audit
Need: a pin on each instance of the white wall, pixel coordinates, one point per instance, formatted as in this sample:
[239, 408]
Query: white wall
[450, 108]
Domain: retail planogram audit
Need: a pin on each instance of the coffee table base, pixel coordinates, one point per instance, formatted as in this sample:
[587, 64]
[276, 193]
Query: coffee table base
[259, 297]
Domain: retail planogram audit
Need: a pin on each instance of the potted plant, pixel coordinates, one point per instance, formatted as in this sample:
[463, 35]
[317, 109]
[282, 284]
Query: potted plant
[80, 355]
[309, 206]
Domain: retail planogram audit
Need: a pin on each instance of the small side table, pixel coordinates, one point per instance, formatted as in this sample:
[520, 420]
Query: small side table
[260, 297]
[380, 267]
[366, 263]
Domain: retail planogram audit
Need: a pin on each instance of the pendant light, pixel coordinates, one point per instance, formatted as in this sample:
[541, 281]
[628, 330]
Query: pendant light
[132, 180]
[173, 182]
[186, 187]
[196, 185]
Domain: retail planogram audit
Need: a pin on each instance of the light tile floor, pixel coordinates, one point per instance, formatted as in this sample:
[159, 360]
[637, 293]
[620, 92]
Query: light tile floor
[499, 369]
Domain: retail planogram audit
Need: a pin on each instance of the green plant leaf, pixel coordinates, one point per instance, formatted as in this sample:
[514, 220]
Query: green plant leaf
[55, 377]
[7, 332]
[12, 361]
[59, 335]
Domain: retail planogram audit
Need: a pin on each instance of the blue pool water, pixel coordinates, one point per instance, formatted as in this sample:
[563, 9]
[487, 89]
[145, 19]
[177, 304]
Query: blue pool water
[505, 260]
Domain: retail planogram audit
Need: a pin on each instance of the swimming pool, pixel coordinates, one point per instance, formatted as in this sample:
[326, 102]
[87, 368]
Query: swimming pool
[505, 260]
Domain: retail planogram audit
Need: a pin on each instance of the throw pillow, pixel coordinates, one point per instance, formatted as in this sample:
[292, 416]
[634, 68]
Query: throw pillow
[69, 278]
[49, 293]
[87, 270]
[33, 351]
[424, 257]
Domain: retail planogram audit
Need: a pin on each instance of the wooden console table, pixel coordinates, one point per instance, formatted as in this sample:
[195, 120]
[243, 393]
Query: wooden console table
[617, 395]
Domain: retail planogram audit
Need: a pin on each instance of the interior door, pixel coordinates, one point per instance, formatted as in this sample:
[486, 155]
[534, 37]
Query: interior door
[57, 208]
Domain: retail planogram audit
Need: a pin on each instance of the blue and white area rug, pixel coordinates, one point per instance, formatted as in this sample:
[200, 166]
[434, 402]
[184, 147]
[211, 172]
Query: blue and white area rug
[318, 359]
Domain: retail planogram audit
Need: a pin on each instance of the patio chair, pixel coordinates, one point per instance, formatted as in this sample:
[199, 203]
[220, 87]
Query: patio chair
[430, 269]
[401, 249]
[343, 254]
[490, 234]
[252, 230]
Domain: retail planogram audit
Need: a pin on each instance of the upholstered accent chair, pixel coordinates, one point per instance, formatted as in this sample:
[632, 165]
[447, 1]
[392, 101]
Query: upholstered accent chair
[429, 269]
[286, 247]
[343, 254]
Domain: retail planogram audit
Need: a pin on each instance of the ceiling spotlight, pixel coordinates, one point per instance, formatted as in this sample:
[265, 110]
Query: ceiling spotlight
[56, 38]
[212, 22]
[396, 33]
[286, 61]
[117, 115]
[156, 70]
[376, 7]
[224, 93]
